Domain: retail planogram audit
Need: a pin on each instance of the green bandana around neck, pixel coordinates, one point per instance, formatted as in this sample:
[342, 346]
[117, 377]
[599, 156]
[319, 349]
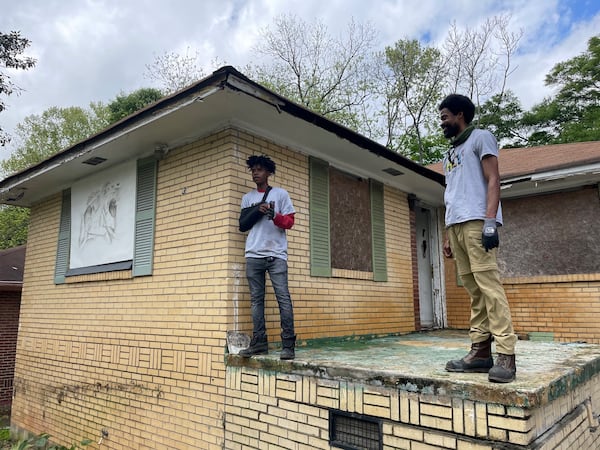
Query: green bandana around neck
[462, 137]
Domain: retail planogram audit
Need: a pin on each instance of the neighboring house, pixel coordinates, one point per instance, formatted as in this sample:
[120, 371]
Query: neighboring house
[549, 245]
[12, 261]
[135, 265]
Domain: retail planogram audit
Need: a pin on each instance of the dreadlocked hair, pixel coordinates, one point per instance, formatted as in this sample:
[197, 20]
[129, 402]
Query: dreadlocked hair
[263, 160]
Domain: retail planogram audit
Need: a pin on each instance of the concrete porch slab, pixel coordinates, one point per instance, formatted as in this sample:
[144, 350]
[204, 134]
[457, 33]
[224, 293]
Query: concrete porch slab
[400, 383]
[415, 362]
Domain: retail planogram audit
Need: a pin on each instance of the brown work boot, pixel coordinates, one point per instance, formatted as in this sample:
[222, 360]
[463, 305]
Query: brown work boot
[479, 359]
[258, 346]
[505, 369]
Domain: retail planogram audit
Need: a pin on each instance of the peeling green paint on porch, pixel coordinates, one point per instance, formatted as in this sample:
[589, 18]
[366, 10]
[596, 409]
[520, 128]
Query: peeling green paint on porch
[415, 363]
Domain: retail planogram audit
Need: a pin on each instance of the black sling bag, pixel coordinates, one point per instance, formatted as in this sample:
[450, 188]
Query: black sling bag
[250, 215]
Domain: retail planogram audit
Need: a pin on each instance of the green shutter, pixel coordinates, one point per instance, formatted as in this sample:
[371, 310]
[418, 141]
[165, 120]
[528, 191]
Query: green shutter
[145, 205]
[64, 239]
[320, 249]
[378, 232]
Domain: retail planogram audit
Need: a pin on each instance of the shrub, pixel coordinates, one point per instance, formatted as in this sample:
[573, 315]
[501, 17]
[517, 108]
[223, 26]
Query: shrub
[42, 442]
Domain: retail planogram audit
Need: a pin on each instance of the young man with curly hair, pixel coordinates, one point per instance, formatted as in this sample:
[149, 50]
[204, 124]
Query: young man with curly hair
[266, 251]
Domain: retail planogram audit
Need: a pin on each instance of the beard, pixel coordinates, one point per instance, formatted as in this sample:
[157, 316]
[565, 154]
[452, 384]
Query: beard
[451, 131]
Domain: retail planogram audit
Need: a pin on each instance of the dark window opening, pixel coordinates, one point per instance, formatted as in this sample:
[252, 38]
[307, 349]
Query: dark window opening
[354, 431]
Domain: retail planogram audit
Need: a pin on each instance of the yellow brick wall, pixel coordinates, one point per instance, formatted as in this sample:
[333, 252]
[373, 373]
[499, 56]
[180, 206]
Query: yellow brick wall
[143, 357]
[568, 306]
[326, 307]
[274, 410]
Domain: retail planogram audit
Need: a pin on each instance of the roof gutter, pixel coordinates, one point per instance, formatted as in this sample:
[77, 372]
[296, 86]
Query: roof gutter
[11, 286]
[589, 169]
[552, 175]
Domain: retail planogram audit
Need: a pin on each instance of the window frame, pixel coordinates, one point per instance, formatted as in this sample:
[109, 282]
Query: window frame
[145, 211]
[319, 223]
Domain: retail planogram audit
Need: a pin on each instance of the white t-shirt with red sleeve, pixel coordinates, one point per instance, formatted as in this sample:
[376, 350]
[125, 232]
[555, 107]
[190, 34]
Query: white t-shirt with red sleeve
[265, 238]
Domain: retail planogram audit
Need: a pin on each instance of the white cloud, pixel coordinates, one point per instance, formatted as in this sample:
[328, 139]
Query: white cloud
[92, 50]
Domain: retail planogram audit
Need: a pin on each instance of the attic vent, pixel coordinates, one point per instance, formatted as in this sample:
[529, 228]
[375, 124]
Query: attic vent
[94, 161]
[14, 195]
[354, 431]
[393, 172]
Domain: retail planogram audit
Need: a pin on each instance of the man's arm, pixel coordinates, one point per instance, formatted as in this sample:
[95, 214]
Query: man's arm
[284, 221]
[489, 165]
[489, 234]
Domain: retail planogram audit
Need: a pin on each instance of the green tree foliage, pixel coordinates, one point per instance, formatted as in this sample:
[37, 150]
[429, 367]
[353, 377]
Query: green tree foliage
[14, 222]
[412, 79]
[125, 104]
[429, 149]
[585, 128]
[12, 45]
[503, 116]
[544, 122]
[578, 98]
[578, 78]
[572, 114]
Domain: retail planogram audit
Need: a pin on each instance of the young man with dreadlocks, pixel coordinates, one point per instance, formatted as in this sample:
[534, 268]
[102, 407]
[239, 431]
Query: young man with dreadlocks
[473, 214]
[266, 251]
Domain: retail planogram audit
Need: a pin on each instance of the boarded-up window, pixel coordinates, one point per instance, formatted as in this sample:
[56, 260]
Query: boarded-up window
[554, 234]
[347, 229]
[350, 210]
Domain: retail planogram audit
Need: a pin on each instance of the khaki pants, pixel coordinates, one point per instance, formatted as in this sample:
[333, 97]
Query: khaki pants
[478, 270]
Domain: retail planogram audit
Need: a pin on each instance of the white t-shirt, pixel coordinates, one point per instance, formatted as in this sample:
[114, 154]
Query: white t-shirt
[265, 238]
[466, 189]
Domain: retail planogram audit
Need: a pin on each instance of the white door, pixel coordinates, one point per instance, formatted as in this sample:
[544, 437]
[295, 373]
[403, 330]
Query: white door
[426, 307]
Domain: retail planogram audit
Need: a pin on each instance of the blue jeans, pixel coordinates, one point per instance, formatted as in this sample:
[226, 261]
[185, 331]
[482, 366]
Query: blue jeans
[278, 273]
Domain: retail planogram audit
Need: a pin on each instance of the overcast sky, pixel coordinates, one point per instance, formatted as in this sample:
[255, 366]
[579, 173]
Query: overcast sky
[93, 50]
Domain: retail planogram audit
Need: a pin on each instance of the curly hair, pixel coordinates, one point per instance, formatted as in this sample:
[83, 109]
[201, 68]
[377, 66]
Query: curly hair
[263, 160]
[459, 103]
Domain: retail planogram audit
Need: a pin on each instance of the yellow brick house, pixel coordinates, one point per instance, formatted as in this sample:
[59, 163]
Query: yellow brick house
[134, 264]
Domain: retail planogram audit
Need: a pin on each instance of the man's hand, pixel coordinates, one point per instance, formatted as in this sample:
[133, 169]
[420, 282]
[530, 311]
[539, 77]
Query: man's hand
[489, 234]
[267, 209]
[271, 211]
[446, 249]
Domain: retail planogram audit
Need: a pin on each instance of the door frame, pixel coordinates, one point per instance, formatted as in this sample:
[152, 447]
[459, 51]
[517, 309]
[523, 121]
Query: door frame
[435, 238]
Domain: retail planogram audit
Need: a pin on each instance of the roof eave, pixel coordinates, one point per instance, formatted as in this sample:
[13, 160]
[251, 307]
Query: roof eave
[227, 78]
